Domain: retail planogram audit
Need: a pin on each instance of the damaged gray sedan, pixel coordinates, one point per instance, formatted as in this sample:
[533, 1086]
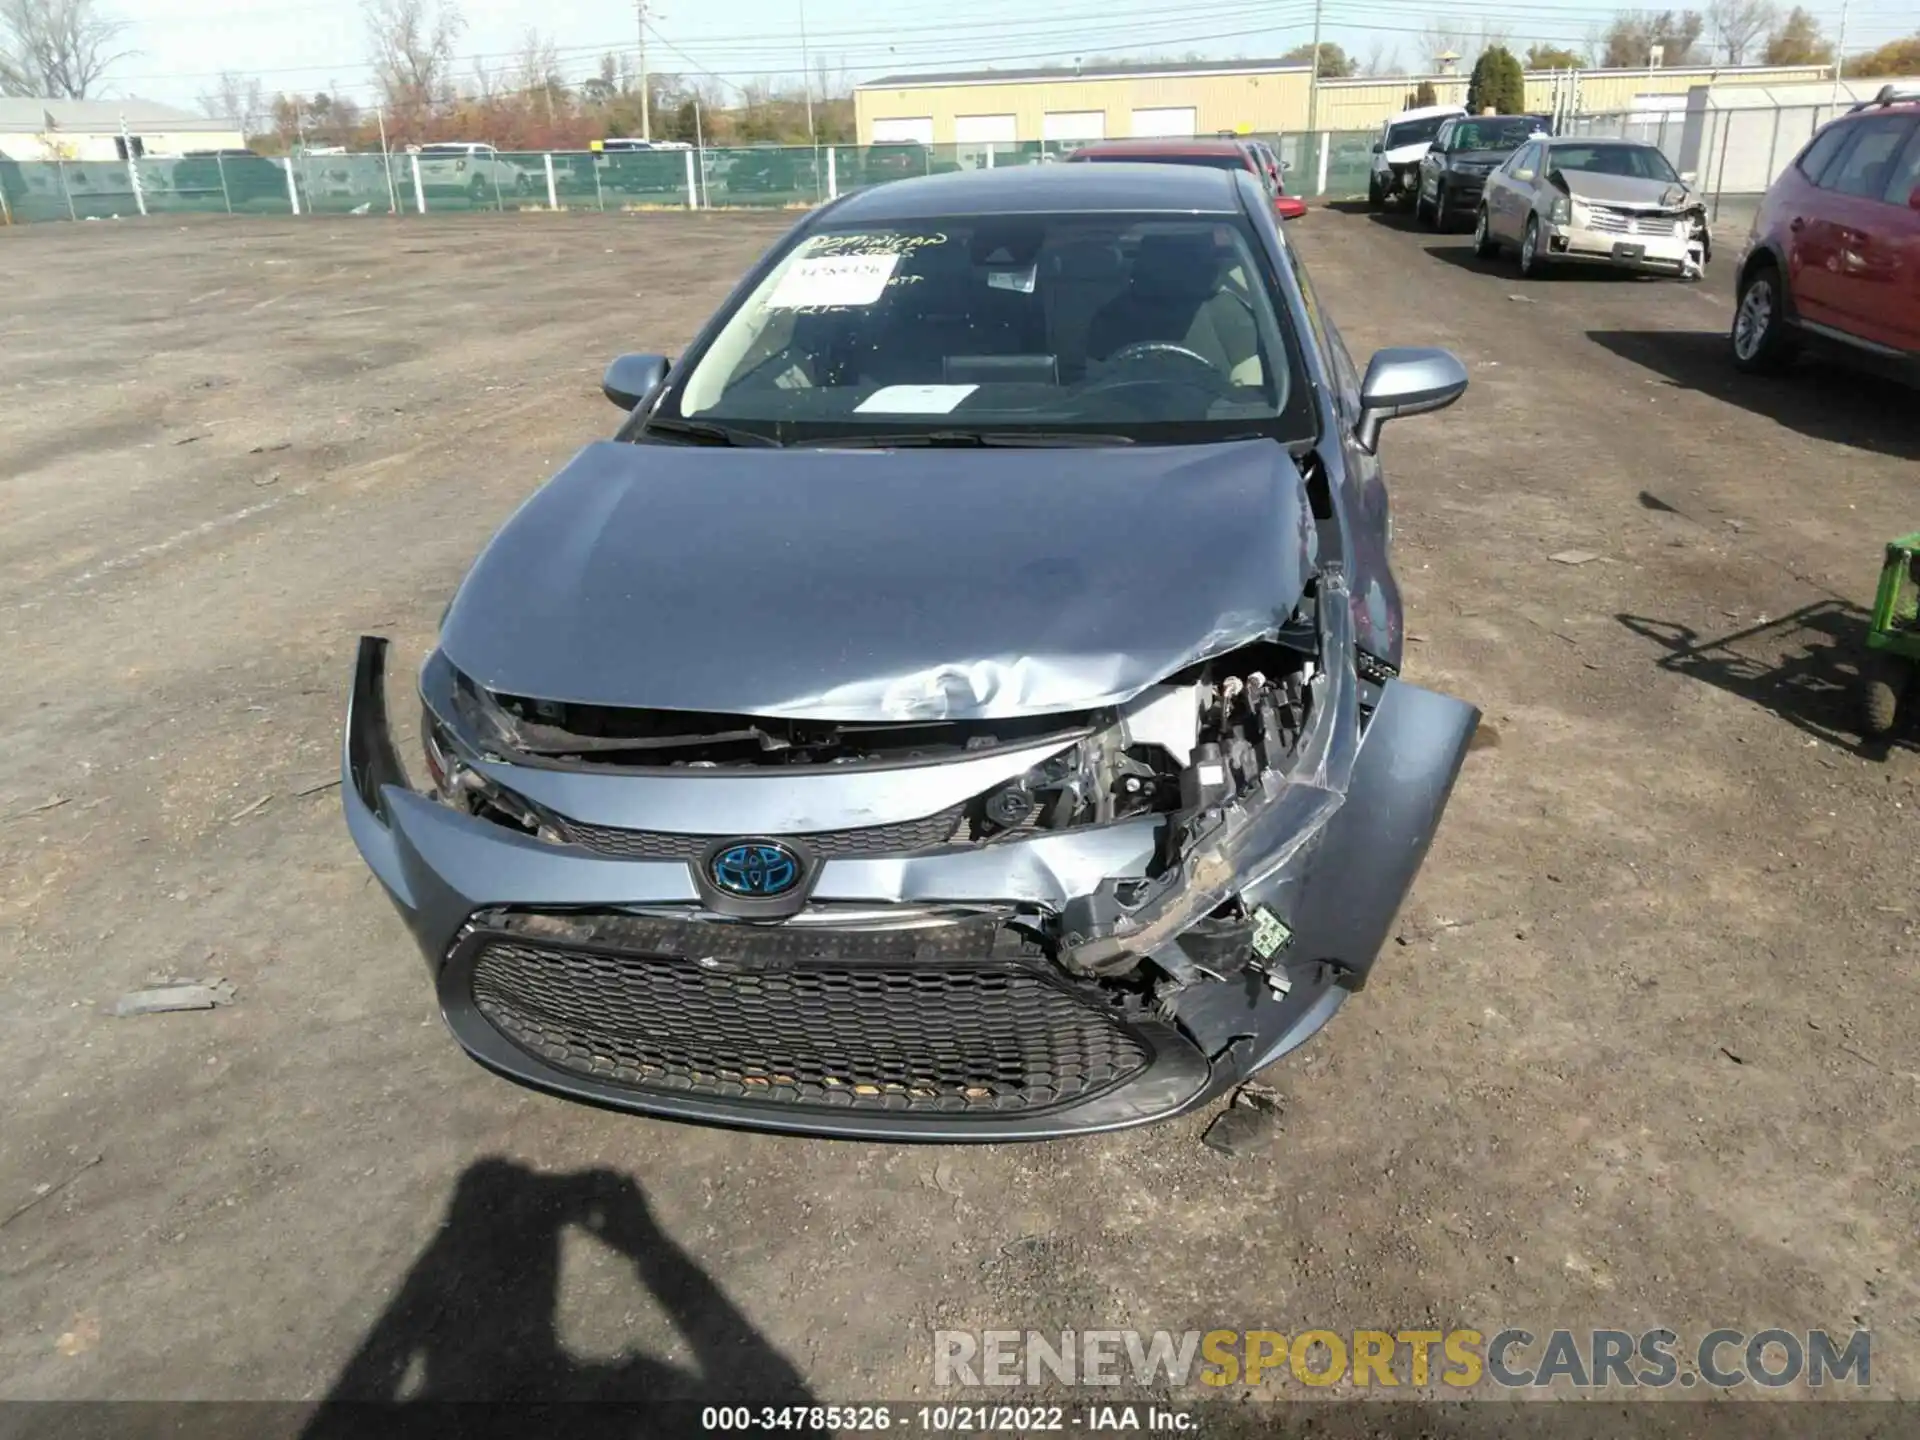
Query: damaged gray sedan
[962, 701]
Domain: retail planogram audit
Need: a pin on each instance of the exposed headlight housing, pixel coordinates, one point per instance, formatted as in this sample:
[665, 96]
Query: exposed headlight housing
[1561, 211]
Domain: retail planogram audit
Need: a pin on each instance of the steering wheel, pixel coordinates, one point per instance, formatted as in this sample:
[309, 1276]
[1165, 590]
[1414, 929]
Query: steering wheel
[1158, 349]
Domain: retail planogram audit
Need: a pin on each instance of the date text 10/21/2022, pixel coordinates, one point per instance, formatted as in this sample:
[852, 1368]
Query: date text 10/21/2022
[965, 1419]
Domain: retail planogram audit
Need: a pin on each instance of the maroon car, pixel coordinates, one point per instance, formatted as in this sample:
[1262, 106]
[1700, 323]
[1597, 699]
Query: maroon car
[1222, 154]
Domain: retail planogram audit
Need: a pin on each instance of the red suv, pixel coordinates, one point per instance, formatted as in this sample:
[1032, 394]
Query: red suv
[1834, 254]
[1219, 154]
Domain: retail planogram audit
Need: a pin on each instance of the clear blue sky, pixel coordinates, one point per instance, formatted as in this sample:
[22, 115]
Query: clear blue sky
[320, 44]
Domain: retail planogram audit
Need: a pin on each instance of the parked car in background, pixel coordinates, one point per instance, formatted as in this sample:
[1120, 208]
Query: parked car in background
[961, 703]
[240, 175]
[1402, 145]
[476, 170]
[1464, 152]
[1605, 202]
[772, 169]
[641, 167]
[1834, 252]
[1219, 154]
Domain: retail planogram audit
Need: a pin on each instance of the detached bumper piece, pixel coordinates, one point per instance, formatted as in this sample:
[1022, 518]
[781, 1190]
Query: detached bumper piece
[953, 1029]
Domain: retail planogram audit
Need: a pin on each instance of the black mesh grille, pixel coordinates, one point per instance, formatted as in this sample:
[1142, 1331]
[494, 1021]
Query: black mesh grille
[902, 838]
[934, 1037]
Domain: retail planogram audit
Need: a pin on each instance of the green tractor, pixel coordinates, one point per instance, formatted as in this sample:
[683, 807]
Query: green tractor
[1893, 637]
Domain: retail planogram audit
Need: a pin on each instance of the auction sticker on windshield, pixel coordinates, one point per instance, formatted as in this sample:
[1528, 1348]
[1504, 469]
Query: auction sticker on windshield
[833, 280]
[914, 399]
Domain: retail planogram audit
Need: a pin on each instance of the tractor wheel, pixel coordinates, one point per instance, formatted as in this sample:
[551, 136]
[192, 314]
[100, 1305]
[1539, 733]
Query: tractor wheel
[1883, 678]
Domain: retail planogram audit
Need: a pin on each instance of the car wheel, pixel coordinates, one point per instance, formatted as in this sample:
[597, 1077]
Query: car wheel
[1760, 338]
[1422, 212]
[476, 191]
[1440, 205]
[1530, 266]
[1484, 245]
[523, 185]
[1376, 197]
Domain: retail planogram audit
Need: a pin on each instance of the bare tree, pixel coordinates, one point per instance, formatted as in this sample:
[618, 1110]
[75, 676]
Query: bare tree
[412, 50]
[238, 99]
[1739, 23]
[1383, 59]
[55, 49]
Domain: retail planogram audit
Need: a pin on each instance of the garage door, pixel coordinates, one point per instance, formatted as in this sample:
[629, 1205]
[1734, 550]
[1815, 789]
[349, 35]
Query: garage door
[1074, 125]
[1177, 120]
[917, 130]
[983, 129]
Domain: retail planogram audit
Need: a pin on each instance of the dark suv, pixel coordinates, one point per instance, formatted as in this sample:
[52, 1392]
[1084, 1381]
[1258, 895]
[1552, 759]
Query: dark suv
[1468, 149]
[1834, 254]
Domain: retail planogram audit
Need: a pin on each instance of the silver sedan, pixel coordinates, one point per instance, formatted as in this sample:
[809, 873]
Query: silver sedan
[1606, 202]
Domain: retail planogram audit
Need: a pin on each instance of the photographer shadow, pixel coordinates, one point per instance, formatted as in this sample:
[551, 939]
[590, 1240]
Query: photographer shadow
[475, 1320]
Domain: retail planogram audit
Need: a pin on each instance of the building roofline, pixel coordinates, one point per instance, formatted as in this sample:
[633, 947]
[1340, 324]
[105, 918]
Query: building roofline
[945, 80]
[1147, 70]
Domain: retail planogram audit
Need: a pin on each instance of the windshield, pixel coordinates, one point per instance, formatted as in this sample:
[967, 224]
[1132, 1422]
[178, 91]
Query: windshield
[1505, 132]
[1114, 327]
[1415, 132]
[1149, 157]
[1638, 162]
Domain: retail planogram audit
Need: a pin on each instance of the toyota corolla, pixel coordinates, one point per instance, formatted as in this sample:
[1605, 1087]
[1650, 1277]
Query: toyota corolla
[962, 702]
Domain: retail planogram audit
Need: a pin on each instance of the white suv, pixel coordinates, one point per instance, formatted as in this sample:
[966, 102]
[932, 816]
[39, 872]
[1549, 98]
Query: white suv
[475, 169]
[1401, 147]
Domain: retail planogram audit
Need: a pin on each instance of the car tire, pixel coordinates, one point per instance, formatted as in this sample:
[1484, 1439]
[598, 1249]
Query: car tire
[1440, 216]
[1376, 196]
[523, 185]
[1484, 244]
[1759, 337]
[476, 191]
[1531, 265]
[1422, 212]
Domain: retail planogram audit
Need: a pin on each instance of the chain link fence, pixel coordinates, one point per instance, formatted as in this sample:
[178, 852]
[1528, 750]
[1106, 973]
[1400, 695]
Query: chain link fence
[1330, 164]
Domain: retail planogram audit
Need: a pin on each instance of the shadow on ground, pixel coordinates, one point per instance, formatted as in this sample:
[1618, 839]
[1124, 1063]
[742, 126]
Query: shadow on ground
[474, 1319]
[1826, 401]
[1803, 667]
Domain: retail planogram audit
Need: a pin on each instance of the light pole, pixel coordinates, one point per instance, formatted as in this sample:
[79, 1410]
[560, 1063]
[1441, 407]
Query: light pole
[646, 99]
[806, 75]
[1313, 75]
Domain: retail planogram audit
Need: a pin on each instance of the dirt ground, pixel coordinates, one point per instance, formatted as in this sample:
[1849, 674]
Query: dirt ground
[1643, 1052]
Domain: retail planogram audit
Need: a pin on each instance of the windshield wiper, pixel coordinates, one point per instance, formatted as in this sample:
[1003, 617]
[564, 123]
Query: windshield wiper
[960, 439]
[705, 432]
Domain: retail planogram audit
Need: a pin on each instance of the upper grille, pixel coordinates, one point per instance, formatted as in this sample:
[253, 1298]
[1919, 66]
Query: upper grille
[1629, 222]
[941, 1038]
[901, 838]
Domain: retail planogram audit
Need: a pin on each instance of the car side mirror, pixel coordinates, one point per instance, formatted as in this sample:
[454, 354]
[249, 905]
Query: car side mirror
[632, 380]
[1376, 147]
[1406, 381]
[1285, 166]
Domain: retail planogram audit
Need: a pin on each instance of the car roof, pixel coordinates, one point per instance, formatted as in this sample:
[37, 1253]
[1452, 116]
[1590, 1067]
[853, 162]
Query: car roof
[1554, 142]
[1143, 148]
[1042, 189]
[1425, 112]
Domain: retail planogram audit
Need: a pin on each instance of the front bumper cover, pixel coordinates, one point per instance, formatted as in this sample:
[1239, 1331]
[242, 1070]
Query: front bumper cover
[1332, 850]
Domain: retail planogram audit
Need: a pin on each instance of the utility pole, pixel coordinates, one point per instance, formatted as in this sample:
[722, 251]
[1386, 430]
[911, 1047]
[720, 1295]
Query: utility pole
[1313, 76]
[646, 99]
[1839, 57]
[806, 68]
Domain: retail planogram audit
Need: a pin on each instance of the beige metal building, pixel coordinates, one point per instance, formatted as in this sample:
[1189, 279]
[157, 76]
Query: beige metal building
[1066, 106]
[91, 130]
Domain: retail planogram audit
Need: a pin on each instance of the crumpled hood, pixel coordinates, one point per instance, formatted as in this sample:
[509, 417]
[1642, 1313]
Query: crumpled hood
[1626, 190]
[882, 584]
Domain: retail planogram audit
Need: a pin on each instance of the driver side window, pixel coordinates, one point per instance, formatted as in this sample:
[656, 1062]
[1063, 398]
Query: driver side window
[1443, 141]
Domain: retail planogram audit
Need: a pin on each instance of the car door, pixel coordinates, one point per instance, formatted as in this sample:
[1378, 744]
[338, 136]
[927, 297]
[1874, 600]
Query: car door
[1862, 277]
[1902, 199]
[1830, 231]
[1435, 161]
[1510, 203]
